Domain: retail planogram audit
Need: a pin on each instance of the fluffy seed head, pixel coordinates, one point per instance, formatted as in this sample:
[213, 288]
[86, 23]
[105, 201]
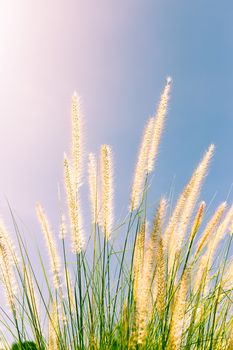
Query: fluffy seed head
[146, 280]
[194, 186]
[198, 220]
[149, 148]
[227, 281]
[207, 258]
[176, 214]
[138, 260]
[141, 166]
[7, 267]
[159, 292]
[51, 245]
[106, 190]
[200, 274]
[53, 342]
[158, 126]
[77, 236]
[77, 142]
[178, 314]
[210, 227]
[224, 228]
[92, 179]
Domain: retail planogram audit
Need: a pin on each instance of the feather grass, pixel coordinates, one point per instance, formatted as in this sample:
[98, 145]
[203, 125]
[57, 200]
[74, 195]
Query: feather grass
[165, 290]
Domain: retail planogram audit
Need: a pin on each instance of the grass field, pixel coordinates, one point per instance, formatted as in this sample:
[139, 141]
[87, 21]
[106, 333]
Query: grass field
[168, 287]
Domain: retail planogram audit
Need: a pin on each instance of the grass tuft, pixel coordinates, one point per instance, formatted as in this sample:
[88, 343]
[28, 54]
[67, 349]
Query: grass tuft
[168, 287]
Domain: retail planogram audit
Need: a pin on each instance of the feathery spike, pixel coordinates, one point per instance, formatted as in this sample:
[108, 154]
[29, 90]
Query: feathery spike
[210, 227]
[176, 240]
[51, 245]
[107, 190]
[146, 280]
[138, 260]
[77, 236]
[92, 179]
[141, 166]
[159, 292]
[76, 140]
[198, 220]
[7, 267]
[159, 121]
[175, 336]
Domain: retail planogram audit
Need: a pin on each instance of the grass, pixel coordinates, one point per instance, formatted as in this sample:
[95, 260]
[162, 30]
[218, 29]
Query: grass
[167, 287]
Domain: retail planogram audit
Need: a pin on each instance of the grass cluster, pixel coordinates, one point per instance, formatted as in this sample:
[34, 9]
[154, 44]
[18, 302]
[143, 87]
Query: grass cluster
[169, 286]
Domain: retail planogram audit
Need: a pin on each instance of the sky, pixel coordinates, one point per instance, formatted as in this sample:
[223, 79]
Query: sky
[116, 55]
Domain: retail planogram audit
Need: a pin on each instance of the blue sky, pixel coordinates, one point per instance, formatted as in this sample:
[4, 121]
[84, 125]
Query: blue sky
[116, 54]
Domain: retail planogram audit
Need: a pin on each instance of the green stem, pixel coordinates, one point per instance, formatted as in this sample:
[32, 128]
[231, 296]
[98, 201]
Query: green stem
[102, 309]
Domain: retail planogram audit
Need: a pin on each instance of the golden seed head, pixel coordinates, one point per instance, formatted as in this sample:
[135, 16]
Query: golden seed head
[51, 245]
[7, 267]
[144, 290]
[149, 148]
[53, 340]
[77, 236]
[77, 142]
[210, 227]
[158, 126]
[207, 258]
[224, 228]
[92, 179]
[106, 190]
[186, 210]
[159, 291]
[141, 166]
[138, 259]
[178, 313]
[198, 220]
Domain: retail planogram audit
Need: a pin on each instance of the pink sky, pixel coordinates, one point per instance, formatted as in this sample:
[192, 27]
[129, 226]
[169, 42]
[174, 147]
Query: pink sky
[48, 49]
